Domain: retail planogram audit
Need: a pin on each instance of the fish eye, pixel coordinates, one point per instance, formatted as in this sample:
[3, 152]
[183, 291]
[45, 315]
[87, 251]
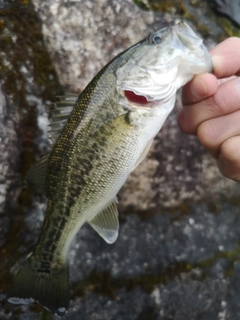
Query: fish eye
[154, 39]
[157, 39]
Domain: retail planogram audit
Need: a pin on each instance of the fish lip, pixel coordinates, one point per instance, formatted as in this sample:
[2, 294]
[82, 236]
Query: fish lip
[183, 28]
[186, 35]
[190, 39]
[190, 49]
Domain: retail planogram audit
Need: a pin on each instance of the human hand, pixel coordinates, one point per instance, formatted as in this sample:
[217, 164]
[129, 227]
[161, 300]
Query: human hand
[212, 108]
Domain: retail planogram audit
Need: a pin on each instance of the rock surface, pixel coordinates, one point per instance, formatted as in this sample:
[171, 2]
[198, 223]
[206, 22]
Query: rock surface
[81, 38]
[177, 255]
[231, 8]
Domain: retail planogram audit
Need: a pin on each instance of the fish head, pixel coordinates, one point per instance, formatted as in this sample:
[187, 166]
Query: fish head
[151, 71]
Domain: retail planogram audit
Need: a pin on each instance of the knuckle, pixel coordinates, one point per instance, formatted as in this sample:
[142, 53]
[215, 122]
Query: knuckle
[207, 134]
[229, 150]
[216, 105]
[219, 102]
[229, 159]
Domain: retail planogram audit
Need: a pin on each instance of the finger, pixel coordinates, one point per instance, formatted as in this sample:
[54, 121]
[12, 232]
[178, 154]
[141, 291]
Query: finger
[226, 100]
[202, 86]
[226, 63]
[229, 158]
[222, 80]
[226, 58]
[212, 133]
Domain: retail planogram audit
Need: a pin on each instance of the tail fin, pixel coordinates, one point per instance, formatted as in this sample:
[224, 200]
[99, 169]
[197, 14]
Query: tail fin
[49, 288]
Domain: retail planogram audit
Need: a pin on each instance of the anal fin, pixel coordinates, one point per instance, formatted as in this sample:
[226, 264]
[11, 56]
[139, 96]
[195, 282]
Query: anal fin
[106, 222]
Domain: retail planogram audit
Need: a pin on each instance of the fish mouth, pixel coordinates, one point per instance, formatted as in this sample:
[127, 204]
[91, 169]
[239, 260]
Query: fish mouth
[165, 73]
[131, 96]
[136, 99]
[148, 97]
[186, 35]
[190, 40]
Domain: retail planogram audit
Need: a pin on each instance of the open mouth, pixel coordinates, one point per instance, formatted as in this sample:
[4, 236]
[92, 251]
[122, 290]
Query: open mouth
[135, 98]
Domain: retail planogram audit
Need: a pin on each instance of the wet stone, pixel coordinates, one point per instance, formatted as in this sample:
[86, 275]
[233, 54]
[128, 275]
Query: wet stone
[231, 8]
[177, 255]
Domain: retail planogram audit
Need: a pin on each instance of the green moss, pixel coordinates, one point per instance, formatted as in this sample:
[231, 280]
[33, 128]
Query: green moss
[20, 42]
[22, 45]
[141, 4]
[2, 25]
[235, 201]
[102, 283]
[46, 315]
[148, 313]
[180, 9]
[161, 6]
[212, 206]
[231, 29]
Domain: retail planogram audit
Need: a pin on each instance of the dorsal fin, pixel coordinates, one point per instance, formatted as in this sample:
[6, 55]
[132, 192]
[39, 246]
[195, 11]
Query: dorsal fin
[36, 176]
[60, 115]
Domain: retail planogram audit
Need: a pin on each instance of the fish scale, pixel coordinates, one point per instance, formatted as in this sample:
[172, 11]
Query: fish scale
[108, 133]
[78, 198]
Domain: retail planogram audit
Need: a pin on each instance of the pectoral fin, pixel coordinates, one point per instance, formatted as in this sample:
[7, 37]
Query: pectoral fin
[106, 223]
[143, 154]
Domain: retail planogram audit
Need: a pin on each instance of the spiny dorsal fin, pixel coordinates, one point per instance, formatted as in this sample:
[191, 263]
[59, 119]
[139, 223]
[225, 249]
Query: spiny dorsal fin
[60, 115]
[106, 222]
[36, 176]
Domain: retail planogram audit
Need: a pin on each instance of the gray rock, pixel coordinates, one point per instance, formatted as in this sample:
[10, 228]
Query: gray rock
[177, 253]
[9, 163]
[82, 37]
[231, 8]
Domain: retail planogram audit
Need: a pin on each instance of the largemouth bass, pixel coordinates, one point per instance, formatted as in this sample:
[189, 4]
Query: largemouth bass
[107, 134]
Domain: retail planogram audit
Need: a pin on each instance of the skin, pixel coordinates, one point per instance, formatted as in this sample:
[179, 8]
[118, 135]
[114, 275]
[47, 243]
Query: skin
[211, 108]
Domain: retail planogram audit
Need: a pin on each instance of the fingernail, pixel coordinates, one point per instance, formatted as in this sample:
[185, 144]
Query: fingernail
[217, 63]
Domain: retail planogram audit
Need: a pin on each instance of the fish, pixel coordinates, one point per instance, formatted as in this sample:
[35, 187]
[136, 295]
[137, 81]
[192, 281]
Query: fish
[99, 138]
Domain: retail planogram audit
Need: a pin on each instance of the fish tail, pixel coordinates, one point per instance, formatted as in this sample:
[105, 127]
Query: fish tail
[48, 286]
